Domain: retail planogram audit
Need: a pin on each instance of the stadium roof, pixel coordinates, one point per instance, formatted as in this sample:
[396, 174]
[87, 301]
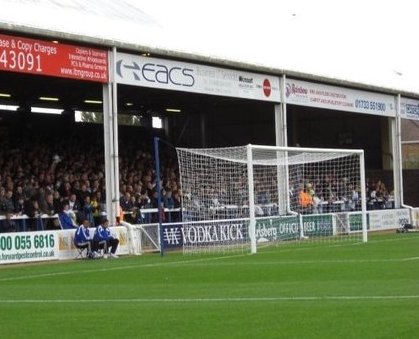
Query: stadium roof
[125, 24]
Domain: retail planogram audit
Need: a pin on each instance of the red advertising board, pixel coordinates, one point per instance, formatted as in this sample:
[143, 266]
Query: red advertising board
[24, 55]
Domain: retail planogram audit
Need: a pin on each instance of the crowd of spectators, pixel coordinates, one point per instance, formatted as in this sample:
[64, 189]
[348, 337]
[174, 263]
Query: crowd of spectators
[41, 176]
[330, 194]
[44, 176]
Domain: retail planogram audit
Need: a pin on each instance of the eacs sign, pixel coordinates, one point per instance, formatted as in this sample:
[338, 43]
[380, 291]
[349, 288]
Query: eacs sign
[143, 71]
[153, 72]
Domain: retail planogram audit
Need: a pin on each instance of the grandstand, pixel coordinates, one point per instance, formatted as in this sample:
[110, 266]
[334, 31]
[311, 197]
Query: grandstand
[94, 110]
[43, 153]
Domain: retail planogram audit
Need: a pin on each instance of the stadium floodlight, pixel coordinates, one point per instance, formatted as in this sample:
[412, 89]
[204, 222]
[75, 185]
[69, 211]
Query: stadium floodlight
[237, 198]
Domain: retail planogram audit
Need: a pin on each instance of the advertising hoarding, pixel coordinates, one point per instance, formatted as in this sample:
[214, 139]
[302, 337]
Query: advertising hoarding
[143, 71]
[23, 55]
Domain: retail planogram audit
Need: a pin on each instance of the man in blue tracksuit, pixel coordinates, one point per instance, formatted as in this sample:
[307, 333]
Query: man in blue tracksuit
[82, 239]
[66, 221]
[105, 240]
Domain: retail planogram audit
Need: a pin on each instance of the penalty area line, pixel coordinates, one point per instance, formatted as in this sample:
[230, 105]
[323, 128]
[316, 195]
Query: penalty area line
[210, 300]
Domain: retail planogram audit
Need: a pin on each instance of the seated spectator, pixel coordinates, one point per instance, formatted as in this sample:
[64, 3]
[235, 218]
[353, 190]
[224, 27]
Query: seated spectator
[103, 239]
[8, 225]
[82, 239]
[66, 220]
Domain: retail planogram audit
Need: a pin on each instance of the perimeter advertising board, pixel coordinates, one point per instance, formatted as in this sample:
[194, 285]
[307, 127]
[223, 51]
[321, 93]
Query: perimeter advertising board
[338, 98]
[287, 228]
[28, 246]
[23, 55]
[48, 245]
[142, 71]
[409, 109]
[379, 220]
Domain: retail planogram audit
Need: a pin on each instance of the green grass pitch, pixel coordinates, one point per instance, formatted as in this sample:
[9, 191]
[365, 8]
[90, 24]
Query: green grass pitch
[301, 291]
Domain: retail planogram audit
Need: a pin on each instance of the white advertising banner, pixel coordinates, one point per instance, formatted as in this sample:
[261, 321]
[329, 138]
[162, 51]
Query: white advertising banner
[409, 109]
[338, 98]
[28, 246]
[143, 71]
[388, 219]
[67, 249]
[49, 245]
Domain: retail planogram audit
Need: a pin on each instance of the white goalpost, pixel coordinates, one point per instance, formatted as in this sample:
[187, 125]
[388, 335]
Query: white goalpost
[237, 198]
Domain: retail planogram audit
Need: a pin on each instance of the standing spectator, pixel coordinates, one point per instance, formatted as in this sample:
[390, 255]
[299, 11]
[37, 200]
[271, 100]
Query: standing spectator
[18, 194]
[83, 193]
[305, 201]
[34, 213]
[48, 207]
[168, 200]
[20, 206]
[169, 203]
[8, 202]
[177, 199]
[96, 207]
[20, 210]
[65, 190]
[127, 206]
[57, 201]
[74, 206]
[87, 210]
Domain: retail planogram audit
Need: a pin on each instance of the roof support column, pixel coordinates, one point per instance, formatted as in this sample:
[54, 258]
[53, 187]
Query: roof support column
[282, 140]
[281, 118]
[110, 128]
[116, 196]
[397, 156]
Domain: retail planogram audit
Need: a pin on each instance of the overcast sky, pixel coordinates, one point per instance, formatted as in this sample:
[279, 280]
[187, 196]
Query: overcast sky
[369, 41]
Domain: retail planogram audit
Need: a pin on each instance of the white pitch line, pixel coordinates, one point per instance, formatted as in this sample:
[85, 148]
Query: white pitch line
[209, 300]
[309, 262]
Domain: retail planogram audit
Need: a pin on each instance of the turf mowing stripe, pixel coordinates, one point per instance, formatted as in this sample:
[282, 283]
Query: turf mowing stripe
[117, 268]
[195, 262]
[198, 300]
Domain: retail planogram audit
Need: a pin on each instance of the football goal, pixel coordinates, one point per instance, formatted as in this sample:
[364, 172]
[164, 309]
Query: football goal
[237, 198]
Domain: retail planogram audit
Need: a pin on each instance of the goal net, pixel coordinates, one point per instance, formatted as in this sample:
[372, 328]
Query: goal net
[237, 198]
